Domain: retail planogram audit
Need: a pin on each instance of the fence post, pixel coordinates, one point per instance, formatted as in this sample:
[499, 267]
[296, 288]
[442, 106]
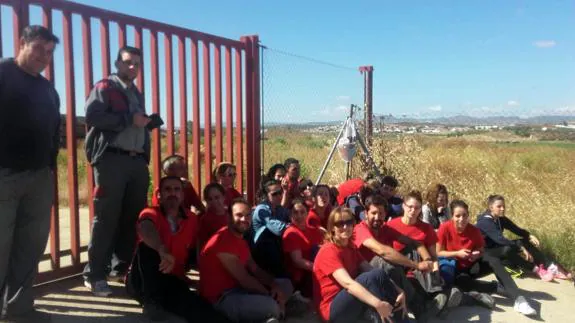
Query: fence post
[249, 108]
[367, 72]
[257, 169]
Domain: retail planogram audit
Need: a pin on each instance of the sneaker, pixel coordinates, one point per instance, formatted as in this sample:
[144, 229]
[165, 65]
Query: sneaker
[272, 320]
[558, 273]
[522, 306]
[482, 299]
[514, 273]
[155, 312]
[99, 288]
[545, 275]
[436, 305]
[454, 297]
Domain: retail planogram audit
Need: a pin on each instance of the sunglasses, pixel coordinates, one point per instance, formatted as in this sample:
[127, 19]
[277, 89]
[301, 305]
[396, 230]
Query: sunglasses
[342, 223]
[276, 193]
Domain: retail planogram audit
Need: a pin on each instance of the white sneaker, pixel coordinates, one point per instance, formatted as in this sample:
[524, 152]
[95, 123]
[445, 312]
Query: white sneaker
[523, 307]
[99, 288]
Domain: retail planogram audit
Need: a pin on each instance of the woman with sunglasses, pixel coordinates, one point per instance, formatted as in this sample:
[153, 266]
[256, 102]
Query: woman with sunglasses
[225, 174]
[346, 288]
[269, 222]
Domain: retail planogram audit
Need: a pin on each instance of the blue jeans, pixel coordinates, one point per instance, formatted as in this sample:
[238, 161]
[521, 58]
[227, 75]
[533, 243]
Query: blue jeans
[347, 308]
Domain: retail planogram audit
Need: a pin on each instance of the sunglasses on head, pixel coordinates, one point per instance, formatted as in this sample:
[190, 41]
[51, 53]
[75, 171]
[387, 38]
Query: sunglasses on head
[341, 223]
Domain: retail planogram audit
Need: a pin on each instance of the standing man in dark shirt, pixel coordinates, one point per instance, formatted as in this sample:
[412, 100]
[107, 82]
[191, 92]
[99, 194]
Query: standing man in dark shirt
[118, 147]
[29, 142]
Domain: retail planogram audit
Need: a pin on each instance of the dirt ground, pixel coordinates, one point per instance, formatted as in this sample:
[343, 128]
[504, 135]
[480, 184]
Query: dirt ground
[69, 301]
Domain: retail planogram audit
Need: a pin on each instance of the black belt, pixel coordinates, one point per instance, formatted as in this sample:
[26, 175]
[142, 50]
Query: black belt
[119, 151]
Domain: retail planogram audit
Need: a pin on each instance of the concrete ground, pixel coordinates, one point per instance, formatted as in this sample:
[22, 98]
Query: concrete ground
[68, 301]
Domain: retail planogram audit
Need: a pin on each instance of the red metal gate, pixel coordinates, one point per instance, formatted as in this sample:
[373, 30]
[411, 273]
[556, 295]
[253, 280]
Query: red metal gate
[235, 114]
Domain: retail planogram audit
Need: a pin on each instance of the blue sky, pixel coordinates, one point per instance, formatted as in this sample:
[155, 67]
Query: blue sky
[431, 58]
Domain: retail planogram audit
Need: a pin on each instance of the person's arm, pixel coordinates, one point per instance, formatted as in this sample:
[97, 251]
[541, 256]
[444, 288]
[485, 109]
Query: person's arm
[102, 116]
[275, 225]
[150, 236]
[388, 253]
[489, 229]
[511, 226]
[56, 136]
[240, 274]
[300, 262]
[356, 289]
[441, 252]
[426, 214]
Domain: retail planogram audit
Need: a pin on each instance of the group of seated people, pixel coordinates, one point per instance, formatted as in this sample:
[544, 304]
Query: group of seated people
[355, 253]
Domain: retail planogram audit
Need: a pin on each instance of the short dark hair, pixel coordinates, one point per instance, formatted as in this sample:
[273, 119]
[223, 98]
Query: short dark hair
[212, 186]
[166, 163]
[375, 200]
[290, 161]
[458, 203]
[33, 32]
[416, 195]
[169, 178]
[128, 49]
[235, 201]
[390, 181]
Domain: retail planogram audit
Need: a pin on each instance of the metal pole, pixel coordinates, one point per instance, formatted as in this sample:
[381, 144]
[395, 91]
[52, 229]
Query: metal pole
[333, 148]
[367, 72]
[368, 154]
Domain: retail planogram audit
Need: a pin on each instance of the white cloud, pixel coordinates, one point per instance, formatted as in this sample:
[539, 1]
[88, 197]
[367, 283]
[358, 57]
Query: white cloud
[343, 98]
[512, 103]
[435, 108]
[332, 111]
[544, 43]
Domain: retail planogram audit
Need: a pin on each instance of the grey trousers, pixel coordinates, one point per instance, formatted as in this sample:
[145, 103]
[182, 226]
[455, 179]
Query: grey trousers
[120, 194]
[25, 202]
[397, 274]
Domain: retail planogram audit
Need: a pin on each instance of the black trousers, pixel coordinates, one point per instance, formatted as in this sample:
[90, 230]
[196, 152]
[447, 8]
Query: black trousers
[268, 254]
[467, 280]
[147, 284]
[509, 256]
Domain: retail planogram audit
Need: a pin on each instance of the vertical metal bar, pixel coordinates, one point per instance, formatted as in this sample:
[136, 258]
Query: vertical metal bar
[257, 167]
[239, 124]
[207, 113]
[121, 34]
[229, 107]
[169, 92]
[55, 212]
[218, 101]
[105, 46]
[139, 40]
[1, 53]
[248, 80]
[196, 117]
[183, 98]
[367, 72]
[20, 16]
[156, 148]
[71, 138]
[88, 82]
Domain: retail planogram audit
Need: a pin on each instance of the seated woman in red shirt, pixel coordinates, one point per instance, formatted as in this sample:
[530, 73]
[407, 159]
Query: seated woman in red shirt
[225, 174]
[300, 244]
[345, 287]
[216, 216]
[462, 241]
[321, 209]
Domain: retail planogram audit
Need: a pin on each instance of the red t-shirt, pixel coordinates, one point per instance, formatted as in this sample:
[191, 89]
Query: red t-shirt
[231, 195]
[348, 188]
[362, 232]
[178, 243]
[191, 198]
[214, 277]
[329, 259]
[295, 239]
[420, 232]
[314, 220]
[210, 223]
[451, 240]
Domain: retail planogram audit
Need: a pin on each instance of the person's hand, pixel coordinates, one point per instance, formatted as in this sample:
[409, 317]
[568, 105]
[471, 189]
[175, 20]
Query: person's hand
[526, 255]
[435, 266]
[384, 309]
[285, 183]
[476, 254]
[463, 253]
[167, 261]
[534, 241]
[425, 266]
[440, 209]
[400, 304]
[140, 120]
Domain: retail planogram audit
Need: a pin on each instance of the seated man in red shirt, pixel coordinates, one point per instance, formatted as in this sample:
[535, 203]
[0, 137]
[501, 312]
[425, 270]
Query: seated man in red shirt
[175, 165]
[231, 280]
[157, 275]
[373, 239]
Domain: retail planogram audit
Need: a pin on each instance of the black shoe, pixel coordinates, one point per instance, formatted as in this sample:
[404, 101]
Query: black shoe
[482, 299]
[155, 312]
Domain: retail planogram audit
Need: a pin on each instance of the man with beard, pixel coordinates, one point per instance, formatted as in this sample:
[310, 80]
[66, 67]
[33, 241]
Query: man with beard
[231, 280]
[157, 277]
[373, 238]
[118, 147]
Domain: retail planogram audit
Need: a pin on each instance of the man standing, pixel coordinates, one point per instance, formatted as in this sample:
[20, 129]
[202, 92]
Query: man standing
[157, 277]
[29, 143]
[118, 147]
